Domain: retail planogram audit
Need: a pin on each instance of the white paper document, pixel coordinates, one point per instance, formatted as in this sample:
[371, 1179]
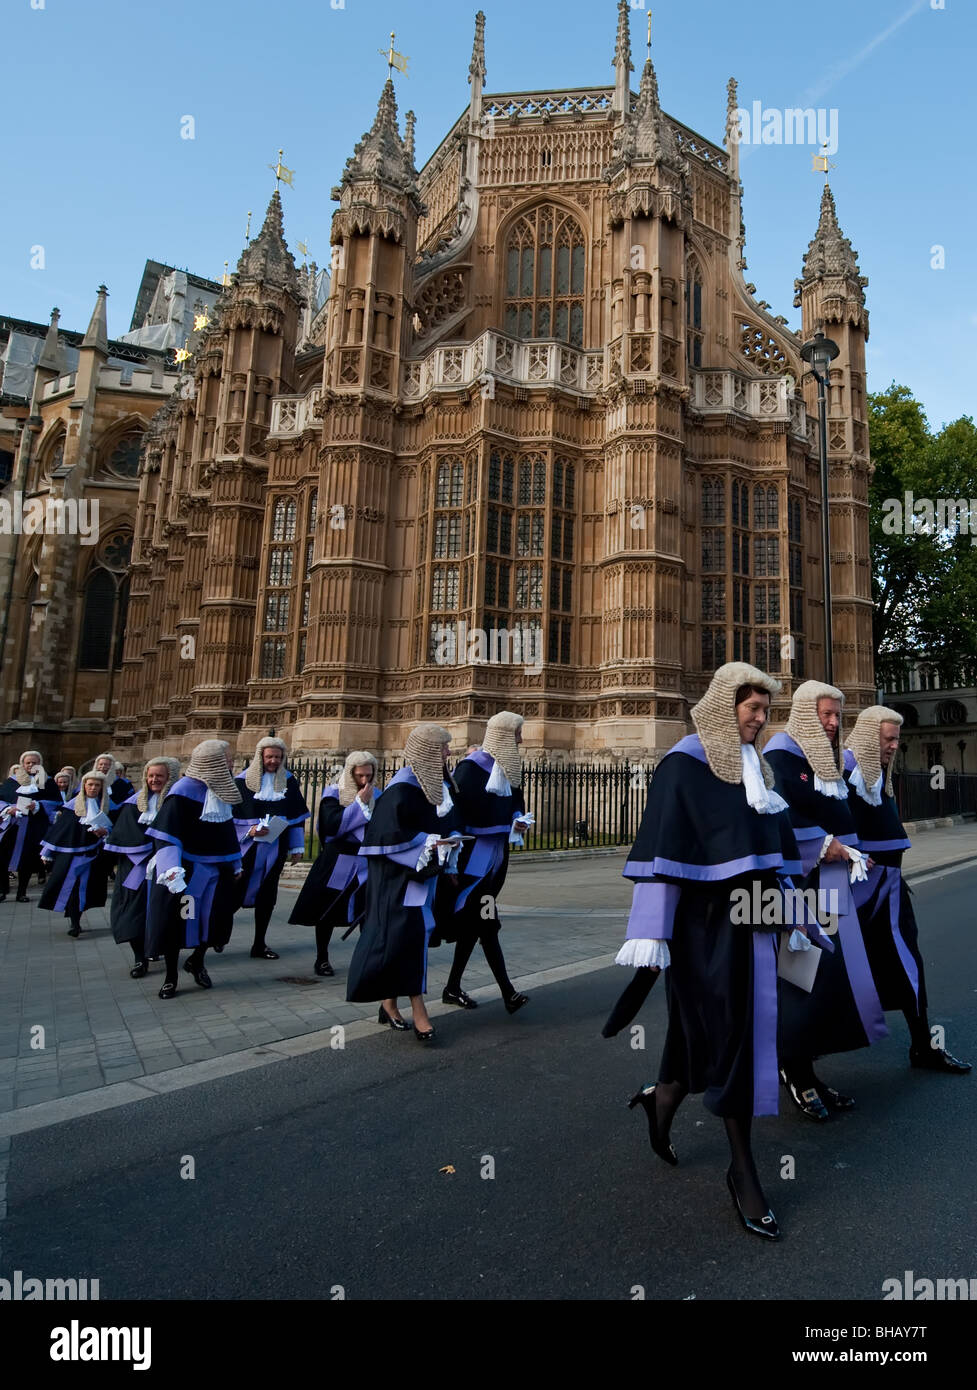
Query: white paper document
[275, 824]
[799, 967]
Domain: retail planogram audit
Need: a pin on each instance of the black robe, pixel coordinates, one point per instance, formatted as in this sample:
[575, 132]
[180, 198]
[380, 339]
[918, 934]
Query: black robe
[390, 958]
[120, 792]
[262, 864]
[201, 914]
[842, 1012]
[885, 905]
[78, 875]
[334, 892]
[130, 841]
[699, 851]
[20, 843]
[460, 910]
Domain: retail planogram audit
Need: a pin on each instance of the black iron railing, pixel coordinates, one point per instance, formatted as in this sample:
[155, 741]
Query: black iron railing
[918, 798]
[579, 805]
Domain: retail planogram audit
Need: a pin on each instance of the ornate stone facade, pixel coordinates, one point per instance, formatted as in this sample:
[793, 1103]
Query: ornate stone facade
[540, 395]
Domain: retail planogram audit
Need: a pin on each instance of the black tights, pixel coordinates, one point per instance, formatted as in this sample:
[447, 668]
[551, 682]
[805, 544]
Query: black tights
[323, 936]
[171, 956]
[493, 954]
[669, 1096]
[23, 879]
[264, 906]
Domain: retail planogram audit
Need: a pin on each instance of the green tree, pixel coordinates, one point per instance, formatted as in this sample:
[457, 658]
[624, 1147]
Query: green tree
[924, 578]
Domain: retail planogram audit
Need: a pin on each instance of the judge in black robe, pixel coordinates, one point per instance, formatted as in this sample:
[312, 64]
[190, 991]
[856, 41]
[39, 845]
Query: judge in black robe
[267, 790]
[842, 1011]
[134, 850]
[192, 893]
[334, 892]
[29, 801]
[709, 846]
[66, 781]
[491, 808]
[72, 847]
[404, 856]
[883, 899]
[120, 788]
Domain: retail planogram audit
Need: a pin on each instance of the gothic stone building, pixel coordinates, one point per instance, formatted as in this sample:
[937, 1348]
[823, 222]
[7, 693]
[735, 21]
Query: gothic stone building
[540, 395]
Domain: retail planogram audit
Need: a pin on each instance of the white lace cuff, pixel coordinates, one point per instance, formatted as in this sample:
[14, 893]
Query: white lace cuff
[424, 858]
[640, 951]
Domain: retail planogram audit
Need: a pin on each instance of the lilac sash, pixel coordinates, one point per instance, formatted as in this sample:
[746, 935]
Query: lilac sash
[78, 872]
[834, 878]
[201, 888]
[765, 1076]
[487, 855]
[891, 878]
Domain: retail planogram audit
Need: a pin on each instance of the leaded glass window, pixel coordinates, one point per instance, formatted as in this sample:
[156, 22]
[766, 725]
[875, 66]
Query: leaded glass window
[545, 270]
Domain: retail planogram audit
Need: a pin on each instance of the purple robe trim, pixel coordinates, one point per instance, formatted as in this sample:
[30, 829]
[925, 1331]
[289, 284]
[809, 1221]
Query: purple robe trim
[834, 877]
[653, 911]
[765, 1075]
[700, 873]
[486, 856]
[891, 879]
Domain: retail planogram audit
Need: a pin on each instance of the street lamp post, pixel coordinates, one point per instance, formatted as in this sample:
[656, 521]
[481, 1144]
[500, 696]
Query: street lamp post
[819, 353]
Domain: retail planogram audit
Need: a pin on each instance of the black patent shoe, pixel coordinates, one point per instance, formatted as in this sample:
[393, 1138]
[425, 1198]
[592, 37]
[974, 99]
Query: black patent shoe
[937, 1059]
[199, 973]
[323, 969]
[400, 1024]
[808, 1101]
[459, 997]
[515, 1003]
[23, 898]
[646, 1099]
[140, 969]
[427, 1037]
[168, 990]
[766, 1226]
[74, 931]
[263, 953]
[834, 1100]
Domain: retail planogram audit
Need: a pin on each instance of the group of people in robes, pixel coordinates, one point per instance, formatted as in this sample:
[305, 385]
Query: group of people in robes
[421, 862]
[768, 889]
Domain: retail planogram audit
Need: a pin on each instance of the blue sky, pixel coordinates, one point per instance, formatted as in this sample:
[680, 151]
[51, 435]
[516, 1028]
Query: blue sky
[94, 168]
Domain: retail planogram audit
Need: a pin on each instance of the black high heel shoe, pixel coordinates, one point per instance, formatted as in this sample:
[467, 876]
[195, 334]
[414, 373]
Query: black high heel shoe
[400, 1024]
[766, 1226]
[423, 1037]
[646, 1099]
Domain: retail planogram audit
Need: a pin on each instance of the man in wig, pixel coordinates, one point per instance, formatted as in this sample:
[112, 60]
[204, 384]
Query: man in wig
[334, 893]
[191, 898]
[269, 795]
[884, 902]
[841, 1011]
[713, 834]
[410, 837]
[491, 806]
[120, 788]
[129, 839]
[29, 801]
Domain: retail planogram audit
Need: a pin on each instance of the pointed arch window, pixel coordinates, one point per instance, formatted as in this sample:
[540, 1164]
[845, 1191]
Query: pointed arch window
[693, 312]
[105, 603]
[545, 266]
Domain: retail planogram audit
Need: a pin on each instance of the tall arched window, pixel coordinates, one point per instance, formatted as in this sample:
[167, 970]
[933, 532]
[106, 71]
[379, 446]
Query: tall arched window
[544, 277]
[105, 603]
[283, 520]
[693, 312]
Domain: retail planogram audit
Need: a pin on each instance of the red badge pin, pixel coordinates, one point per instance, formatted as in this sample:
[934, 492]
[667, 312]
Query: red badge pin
[803, 776]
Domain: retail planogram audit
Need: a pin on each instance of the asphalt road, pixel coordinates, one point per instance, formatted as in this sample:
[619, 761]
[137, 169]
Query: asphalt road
[323, 1171]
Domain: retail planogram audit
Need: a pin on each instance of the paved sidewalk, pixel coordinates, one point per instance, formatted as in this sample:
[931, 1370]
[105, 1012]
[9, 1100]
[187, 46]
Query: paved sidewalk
[101, 1027]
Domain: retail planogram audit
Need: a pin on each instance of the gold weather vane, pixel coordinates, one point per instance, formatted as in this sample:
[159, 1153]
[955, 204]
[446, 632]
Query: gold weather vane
[821, 164]
[394, 59]
[303, 247]
[184, 352]
[281, 172]
[200, 321]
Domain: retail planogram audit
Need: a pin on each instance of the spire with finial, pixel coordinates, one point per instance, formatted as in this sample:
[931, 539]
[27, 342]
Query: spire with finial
[382, 154]
[409, 122]
[731, 140]
[831, 253]
[97, 335]
[647, 134]
[622, 61]
[476, 68]
[267, 258]
[52, 353]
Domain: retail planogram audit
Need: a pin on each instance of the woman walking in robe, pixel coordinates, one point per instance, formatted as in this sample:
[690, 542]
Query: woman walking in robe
[198, 859]
[408, 840]
[66, 781]
[334, 893]
[710, 828]
[129, 839]
[267, 790]
[492, 809]
[72, 846]
[29, 801]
